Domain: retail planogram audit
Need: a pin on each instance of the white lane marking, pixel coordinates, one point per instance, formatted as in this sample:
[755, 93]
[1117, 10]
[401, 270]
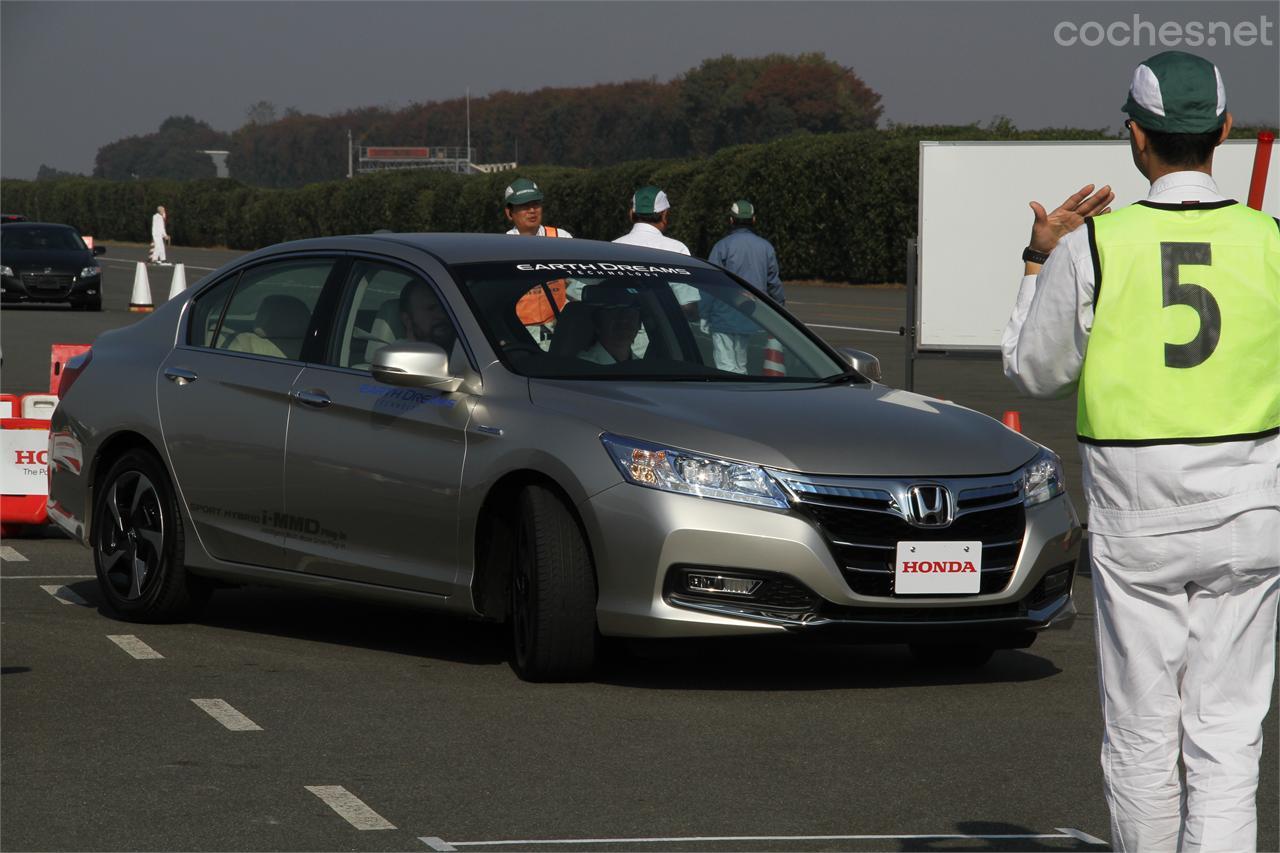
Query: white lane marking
[860, 329]
[8, 553]
[1080, 835]
[134, 646]
[65, 595]
[39, 577]
[228, 716]
[349, 807]
[132, 264]
[437, 843]
[722, 838]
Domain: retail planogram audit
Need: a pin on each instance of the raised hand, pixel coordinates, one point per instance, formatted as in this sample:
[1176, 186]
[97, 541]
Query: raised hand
[1049, 228]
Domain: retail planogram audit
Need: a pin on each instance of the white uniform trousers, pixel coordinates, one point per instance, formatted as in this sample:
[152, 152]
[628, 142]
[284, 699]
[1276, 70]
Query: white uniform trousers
[1186, 629]
[729, 350]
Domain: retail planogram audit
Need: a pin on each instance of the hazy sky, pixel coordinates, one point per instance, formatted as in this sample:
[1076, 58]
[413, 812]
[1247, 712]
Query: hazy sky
[77, 75]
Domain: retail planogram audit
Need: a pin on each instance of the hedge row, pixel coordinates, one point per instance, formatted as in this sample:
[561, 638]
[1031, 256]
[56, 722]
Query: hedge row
[837, 207]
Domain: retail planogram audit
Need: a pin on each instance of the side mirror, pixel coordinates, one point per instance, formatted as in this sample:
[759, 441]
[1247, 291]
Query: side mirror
[863, 362]
[414, 365]
[99, 250]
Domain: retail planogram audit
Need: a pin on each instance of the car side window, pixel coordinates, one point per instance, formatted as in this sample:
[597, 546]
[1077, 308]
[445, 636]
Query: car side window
[206, 312]
[388, 304]
[270, 311]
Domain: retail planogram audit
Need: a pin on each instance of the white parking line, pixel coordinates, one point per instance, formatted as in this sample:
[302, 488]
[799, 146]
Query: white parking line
[134, 646]
[132, 264]
[8, 553]
[65, 595]
[1080, 835]
[436, 843]
[228, 716]
[349, 807]
[40, 577]
[895, 333]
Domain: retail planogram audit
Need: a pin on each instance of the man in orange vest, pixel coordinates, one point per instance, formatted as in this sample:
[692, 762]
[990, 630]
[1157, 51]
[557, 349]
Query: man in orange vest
[538, 308]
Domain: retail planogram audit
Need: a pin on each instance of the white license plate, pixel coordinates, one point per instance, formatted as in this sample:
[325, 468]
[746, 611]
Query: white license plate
[937, 568]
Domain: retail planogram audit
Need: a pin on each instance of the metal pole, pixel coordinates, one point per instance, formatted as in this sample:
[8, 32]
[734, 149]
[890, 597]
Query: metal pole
[913, 273]
[468, 128]
[349, 162]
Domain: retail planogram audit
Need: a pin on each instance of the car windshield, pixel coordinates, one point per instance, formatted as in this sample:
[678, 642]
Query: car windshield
[604, 319]
[44, 238]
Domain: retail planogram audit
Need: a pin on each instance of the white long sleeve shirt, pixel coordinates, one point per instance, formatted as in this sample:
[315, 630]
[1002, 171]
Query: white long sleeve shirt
[1130, 491]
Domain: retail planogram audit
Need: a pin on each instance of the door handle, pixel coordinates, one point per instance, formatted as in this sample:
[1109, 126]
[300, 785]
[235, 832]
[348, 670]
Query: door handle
[315, 399]
[180, 375]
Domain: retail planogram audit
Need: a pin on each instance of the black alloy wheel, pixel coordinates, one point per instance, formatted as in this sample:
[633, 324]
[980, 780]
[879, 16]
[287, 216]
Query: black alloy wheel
[138, 542]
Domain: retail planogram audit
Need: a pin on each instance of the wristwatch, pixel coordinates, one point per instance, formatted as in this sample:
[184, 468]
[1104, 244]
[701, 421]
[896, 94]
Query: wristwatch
[1031, 256]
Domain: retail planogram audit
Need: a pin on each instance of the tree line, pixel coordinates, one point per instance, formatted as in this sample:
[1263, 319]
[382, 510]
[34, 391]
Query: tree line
[724, 101]
[837, 206]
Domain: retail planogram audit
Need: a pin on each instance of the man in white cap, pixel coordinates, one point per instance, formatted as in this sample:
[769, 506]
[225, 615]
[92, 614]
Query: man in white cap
[1164, 317]
[650, 219]
[159, 236]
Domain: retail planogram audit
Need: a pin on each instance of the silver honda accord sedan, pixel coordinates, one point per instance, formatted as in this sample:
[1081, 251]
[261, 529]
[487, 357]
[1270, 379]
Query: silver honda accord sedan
[581, 439]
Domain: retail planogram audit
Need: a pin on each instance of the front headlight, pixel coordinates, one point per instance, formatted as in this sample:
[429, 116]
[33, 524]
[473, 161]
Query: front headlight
[4, 270]
[90, 272]
[672, 470]
[1042, 478]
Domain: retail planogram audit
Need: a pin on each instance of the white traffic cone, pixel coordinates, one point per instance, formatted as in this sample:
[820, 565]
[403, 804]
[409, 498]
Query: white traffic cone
[179, 280]
[775, 363]
[141, 300]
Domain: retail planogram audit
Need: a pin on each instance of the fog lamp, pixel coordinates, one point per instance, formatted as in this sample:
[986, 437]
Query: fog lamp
[696, 582]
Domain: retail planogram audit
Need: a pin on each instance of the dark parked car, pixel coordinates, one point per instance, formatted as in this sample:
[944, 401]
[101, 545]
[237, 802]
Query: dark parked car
[42, 262]
[12, 217]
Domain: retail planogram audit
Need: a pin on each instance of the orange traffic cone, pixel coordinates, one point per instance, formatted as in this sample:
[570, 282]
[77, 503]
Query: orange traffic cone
[141, 300]
[1013, 420]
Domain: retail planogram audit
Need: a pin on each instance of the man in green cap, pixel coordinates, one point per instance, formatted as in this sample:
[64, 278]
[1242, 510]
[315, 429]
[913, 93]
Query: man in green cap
[536, 310]
[650, 219]
[523, 208]
[1164, 317]
[749, 256]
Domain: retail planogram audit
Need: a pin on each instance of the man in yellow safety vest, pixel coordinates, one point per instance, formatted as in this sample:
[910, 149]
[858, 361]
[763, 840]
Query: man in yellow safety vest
[1164, 317]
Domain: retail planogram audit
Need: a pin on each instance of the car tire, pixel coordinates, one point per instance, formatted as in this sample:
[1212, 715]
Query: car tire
[952, 656]
[553, 592]
[138, 544]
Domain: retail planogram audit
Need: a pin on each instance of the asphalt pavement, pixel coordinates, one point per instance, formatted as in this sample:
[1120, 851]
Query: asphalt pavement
[283, 721]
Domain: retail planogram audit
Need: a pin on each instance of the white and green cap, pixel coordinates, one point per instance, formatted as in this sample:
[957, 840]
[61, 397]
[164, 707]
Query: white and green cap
[1176, 92]
[521, 191]
[742, 209]
[649, 200]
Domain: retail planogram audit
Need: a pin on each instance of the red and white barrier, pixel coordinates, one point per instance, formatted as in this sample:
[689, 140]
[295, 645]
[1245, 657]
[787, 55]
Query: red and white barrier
[24, 448]
[24, 476]
[775, 361]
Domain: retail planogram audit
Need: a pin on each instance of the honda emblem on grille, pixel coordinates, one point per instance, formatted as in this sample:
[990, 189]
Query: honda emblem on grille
[929, 506]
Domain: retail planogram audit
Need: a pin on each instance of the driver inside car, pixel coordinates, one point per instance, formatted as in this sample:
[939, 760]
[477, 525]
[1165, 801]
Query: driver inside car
[616, 327]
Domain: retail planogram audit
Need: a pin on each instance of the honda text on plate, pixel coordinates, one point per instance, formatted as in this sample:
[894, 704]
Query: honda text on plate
[542, 432]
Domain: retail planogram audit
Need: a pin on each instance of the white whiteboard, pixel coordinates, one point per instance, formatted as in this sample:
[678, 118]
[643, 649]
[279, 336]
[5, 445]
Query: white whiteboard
[974, 220]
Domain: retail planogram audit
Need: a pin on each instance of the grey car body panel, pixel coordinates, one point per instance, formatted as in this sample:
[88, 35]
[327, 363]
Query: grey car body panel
[823, 429]
[401, 543]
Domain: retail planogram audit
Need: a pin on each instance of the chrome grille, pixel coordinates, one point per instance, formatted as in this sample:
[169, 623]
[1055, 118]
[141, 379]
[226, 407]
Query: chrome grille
[863, 519]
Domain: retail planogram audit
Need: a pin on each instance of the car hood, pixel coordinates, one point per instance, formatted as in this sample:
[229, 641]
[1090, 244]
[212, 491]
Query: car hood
[69, 260]
[849, 429]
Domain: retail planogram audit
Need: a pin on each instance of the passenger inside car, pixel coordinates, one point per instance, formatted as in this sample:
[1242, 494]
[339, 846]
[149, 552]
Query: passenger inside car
[279, 329]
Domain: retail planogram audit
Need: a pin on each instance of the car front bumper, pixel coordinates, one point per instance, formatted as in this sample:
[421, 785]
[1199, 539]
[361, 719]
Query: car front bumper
[645, 541]
[50, 288]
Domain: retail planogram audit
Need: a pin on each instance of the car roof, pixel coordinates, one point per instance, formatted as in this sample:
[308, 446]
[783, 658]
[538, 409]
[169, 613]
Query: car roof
[22, 226]
[478, 248]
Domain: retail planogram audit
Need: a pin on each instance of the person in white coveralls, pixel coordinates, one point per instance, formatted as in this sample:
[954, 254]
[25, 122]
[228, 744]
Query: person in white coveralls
[159, 236]
[1164, 318]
